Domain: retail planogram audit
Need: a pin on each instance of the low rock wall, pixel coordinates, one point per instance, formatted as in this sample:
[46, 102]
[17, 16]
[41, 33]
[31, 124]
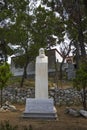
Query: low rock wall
[61, 96]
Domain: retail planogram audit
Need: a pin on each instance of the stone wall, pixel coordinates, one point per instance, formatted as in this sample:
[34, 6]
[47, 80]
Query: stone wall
[61, 96]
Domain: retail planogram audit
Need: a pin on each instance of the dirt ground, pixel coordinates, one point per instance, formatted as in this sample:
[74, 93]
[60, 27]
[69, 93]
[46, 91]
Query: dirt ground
[64, 122]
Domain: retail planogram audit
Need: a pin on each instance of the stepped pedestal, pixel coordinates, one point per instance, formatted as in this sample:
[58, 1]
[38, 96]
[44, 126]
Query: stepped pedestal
[40, 109]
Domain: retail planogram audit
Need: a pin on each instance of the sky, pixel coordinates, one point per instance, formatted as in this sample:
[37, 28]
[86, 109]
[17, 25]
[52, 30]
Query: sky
[9, 60]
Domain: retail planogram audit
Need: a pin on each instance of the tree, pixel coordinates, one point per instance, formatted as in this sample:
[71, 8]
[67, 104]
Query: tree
[77, 25]
[65, 49]
[80, 82]
[47, 29]
[17, 30]
[40, 34]
[75, 19]
[29, 28]
[5, 22]
[5, 74]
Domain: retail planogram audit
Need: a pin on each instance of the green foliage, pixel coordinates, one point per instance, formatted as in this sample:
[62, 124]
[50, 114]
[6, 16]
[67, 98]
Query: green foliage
[7, 126]
[14, 80]
[80, 82]
[5, 74]
[47, 25]
[28, 31]
[74, 17]
[81, 76]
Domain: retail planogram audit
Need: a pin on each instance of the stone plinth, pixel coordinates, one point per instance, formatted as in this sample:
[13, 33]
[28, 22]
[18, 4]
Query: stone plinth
[40, 109]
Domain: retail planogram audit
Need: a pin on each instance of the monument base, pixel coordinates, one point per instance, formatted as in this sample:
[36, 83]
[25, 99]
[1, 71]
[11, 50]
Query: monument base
[40, 109]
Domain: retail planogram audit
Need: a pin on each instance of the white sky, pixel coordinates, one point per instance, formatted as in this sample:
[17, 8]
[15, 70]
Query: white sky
[9, 60]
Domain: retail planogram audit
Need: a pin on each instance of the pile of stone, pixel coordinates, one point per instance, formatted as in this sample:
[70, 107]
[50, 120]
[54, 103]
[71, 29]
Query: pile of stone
[7, 107]
[17, 95]
[67, 96]
[76, 113]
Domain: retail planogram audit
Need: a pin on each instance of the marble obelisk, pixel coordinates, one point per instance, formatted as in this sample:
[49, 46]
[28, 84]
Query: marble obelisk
[41, 77]
[41, 106]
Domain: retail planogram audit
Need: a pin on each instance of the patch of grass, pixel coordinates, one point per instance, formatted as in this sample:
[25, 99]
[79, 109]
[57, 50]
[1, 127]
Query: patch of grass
[29, 83]
[15, 81]
[65, 84]
[7, 126]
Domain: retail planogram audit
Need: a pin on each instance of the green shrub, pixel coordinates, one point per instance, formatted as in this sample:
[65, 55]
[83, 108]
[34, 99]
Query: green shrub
[5, 74]
[7, 126]
[80, 82]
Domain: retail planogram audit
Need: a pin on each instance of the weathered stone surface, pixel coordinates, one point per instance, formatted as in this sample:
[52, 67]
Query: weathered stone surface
[83, 113]
[41, 75]
[70, 71]
[7, 107]
[72, 112]
[40, 108]
[39, 105]
[67, 96]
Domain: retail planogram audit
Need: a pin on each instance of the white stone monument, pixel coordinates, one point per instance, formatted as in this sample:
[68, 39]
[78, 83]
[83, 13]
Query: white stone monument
[41, 78]
[40, 106]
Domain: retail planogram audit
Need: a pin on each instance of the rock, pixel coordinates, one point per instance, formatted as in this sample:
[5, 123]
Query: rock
[72, 112]
[12, 108]
[2, 109]
[83, 113]
[8, 107]
[61, 96]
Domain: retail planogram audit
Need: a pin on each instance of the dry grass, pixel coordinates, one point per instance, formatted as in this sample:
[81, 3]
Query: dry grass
[30, 82]
[64, 122]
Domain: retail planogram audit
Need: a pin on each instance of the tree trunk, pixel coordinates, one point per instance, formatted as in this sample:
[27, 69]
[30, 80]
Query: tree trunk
[1, 97]
[64, 57]
[61, 65]
[81, 41]
[84, 99]
[61, 73]
[56, 72]
[4, 49]
[80, 31]
[85, 5]
[24, 74]
[77, 54]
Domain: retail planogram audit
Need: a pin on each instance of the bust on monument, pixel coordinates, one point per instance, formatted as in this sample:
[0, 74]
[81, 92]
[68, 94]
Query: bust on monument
[42, 57]
[41, 75]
